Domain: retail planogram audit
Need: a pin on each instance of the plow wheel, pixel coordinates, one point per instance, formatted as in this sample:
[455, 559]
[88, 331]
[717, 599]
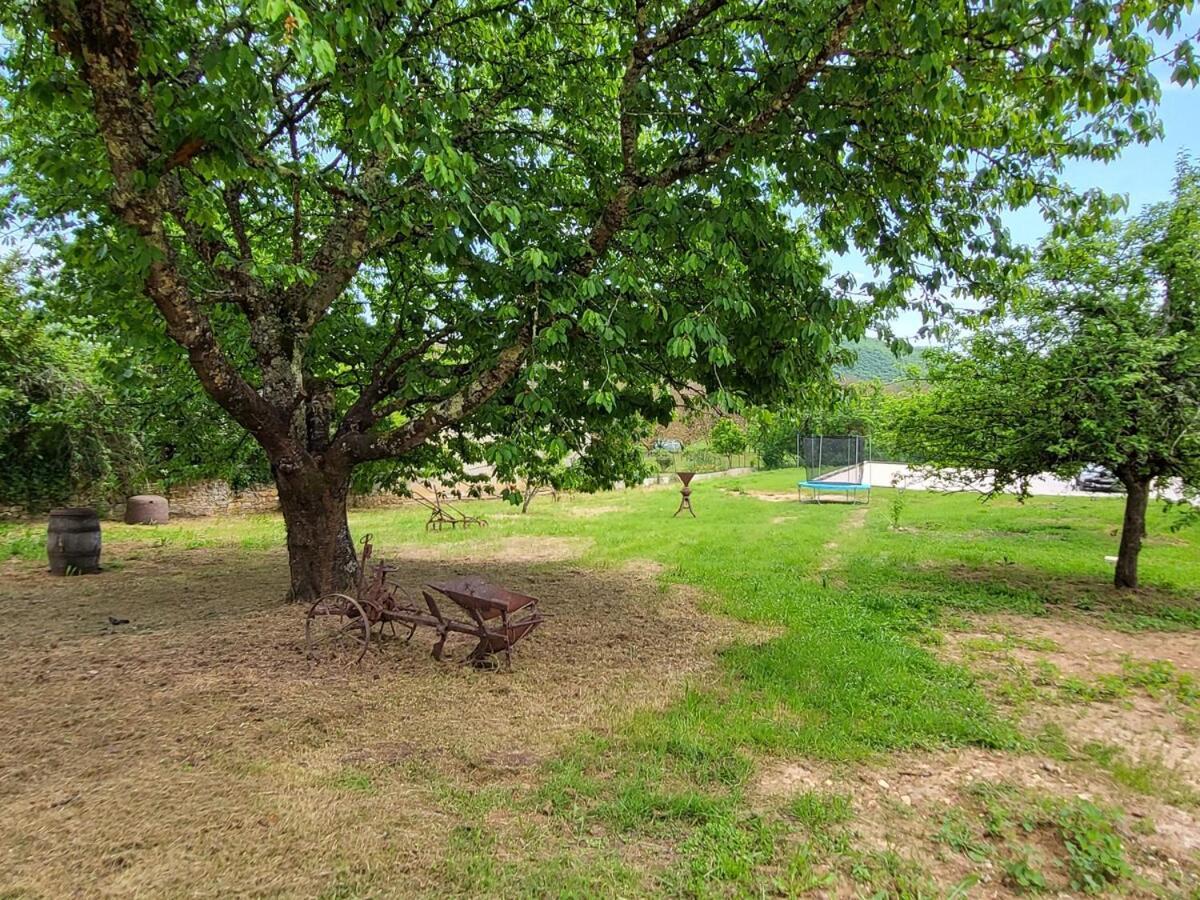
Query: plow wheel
[336, 630]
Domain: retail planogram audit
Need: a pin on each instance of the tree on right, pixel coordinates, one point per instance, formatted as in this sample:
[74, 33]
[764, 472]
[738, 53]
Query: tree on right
[1096, 362]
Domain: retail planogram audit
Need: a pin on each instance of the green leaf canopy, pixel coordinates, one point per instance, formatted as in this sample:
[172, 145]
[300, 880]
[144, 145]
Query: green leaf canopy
[376, 225]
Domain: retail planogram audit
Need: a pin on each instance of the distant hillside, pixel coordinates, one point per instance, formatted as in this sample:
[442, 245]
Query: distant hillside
[875, 361]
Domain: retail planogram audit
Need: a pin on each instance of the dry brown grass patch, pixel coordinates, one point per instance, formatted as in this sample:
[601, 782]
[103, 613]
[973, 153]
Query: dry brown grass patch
[195, 750]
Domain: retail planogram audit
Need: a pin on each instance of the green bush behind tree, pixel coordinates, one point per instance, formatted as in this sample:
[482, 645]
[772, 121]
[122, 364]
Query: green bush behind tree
[62, 433]
[866, 408]
[728, 438]
[86, 418]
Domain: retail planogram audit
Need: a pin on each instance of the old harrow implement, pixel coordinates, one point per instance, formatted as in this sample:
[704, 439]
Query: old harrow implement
[342, 626]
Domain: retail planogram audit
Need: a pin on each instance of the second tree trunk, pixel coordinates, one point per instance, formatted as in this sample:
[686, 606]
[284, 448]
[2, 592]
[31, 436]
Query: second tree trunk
[1133, 529]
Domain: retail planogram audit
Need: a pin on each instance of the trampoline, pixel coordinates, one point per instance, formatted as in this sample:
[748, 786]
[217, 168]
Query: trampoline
[835, 466]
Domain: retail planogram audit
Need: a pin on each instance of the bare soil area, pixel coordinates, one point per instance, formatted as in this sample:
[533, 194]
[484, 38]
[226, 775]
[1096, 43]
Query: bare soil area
[1122, 710]
[939, 809]
[1136, 695]
[1078, 647]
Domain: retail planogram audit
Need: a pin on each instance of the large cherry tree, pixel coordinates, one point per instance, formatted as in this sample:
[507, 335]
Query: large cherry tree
[395, 230]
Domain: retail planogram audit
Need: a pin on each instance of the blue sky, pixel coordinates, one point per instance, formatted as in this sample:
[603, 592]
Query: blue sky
[1143, 172]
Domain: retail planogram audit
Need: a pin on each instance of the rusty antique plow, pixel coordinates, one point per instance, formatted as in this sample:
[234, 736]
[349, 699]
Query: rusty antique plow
[341, 627]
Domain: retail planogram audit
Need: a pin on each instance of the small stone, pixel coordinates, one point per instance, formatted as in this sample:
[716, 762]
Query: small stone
[906, 800]
[883, 784]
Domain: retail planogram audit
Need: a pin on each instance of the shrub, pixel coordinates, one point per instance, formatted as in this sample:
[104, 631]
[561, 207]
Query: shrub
[61, 434]
[727, 438]
[773, 437]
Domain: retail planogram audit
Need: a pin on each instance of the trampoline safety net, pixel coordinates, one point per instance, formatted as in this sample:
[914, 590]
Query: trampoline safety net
[836, 460]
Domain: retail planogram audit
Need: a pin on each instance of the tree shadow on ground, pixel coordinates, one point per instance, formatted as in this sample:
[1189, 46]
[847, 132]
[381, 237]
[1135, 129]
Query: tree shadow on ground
[129, 742]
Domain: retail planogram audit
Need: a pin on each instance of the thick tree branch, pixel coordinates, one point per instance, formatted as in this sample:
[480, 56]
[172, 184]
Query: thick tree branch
[699, 159]
[297, 208]
[683, 28]
[645, 46]
[342, 251]
[241, 286]
[334, 263]
[184, 153]
[362, 414]
[452, 411]
[233, 206]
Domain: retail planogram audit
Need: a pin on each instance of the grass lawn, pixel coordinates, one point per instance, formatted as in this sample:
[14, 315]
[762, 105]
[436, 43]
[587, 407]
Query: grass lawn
[925, 697]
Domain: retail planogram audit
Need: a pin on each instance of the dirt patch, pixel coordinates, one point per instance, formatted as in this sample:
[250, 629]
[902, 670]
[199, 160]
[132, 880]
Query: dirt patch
[1131, 745]
[770, 496]
[645, 568]
[1098, 686]
[196, 746]
[1078, 647]
[1145, 733]
[786, 779]
[901, 803]
[912, 794]
[590, 512]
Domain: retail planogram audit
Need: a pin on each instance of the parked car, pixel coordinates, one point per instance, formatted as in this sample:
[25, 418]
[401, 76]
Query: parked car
[1097, 479]
[669, 444]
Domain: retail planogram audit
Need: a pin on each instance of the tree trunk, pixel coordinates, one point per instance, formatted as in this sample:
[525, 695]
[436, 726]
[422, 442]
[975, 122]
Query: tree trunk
[1137, 497]
[529, 494]
[320, 551]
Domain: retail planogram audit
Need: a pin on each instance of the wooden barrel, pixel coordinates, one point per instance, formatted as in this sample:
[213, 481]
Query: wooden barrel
[73, 541]
[146, 509]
